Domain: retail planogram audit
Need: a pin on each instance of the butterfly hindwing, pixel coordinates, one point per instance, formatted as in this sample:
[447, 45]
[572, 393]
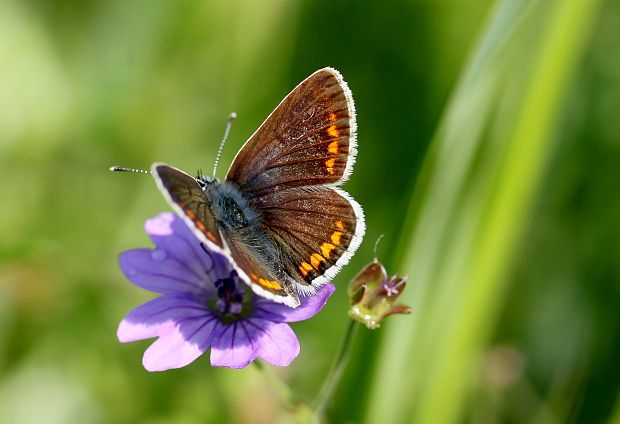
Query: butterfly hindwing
[267, 280]
[309, 139]
[187, 197]
[317, 229]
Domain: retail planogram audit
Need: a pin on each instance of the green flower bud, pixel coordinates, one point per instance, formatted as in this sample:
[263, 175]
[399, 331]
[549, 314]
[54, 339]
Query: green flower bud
[373, 295]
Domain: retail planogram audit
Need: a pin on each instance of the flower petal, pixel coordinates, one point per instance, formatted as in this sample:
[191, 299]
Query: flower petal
[232, 346]
[157, 316]
[180, 345]
[276, 342]
[173, 237]
[156, 271]
[310, 306]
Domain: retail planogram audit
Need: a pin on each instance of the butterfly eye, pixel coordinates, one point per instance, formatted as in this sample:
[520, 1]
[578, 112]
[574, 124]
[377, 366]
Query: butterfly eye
[231, 214]
[204, 181]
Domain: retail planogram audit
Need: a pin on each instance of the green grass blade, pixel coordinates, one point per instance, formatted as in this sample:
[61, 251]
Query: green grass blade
[486, 163]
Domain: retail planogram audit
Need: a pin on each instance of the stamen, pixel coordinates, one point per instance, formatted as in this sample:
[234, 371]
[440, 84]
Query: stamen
[236, 308]
[391, 291]
[220, 306]
[230, 302]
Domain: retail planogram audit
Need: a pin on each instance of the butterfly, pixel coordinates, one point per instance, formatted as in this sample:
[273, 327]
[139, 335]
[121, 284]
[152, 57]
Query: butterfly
[280, 215]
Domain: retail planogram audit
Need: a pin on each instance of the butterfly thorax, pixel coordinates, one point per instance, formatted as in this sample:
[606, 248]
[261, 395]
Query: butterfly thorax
[205, 180]
[230, 207]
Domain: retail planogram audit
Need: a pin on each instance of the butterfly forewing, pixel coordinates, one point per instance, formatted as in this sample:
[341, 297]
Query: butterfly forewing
[189, 200]
[309, 139]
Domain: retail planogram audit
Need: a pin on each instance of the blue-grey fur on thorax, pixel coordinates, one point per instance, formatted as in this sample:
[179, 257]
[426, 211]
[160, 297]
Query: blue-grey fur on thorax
[242, 223]
[230, 207]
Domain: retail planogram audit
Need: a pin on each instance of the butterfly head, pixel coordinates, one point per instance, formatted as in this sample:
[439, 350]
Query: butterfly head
[205, 180]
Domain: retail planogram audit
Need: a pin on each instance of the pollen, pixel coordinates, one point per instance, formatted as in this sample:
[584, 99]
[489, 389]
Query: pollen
[333, 147]
[316, 259]
[336, 237]
[339, 224]
[329, 163]
[332, 131]
[326, 249]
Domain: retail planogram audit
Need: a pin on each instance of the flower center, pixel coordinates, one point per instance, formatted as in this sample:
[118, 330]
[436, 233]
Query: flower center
[230, 304]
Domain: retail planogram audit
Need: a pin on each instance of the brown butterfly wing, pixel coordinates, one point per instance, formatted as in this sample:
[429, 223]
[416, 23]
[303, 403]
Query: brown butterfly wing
[309, 139]
[318, 229]
[290, 169]
[189, 201]
[266, 280]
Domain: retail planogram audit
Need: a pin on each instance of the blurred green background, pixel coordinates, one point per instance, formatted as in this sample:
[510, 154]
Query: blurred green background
[489, 157]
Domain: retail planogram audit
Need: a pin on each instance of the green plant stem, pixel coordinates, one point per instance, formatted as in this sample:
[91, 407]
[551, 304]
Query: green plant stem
[282, 389]
[300, 409]
[333, 378]
[294, 406]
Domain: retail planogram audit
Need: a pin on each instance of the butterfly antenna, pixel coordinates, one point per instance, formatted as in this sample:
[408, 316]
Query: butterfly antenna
[229, 122]
[377, 244]
[123, 169]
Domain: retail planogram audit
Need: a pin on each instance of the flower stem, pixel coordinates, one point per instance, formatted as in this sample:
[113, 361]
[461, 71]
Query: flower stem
[333, 378]
[282, 389]
[296, 407]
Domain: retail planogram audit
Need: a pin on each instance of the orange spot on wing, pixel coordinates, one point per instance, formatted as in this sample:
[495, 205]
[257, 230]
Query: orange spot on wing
[332, 131]
[190, 213]
[210, 236]
[333, 147]
[329, 163]
[332, 117]
[336, 237]
[200, 226]
[315, 260]
[304, 268]
[339, 224]
[326, 249]
[270, 284]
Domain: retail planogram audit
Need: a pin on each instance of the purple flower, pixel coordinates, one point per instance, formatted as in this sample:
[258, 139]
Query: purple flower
[203, 304]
